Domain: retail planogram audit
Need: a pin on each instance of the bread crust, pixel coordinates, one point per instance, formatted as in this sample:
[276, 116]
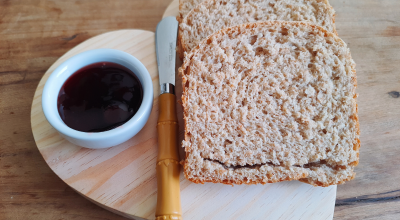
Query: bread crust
[240, 182]
[346, 173]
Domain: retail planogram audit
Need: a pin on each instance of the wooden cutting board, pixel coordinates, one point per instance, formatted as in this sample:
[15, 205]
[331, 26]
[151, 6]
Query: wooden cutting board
[122, 178]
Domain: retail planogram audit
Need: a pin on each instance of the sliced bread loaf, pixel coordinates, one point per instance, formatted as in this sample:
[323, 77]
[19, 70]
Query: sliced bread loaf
[212, 15]
[270, 101]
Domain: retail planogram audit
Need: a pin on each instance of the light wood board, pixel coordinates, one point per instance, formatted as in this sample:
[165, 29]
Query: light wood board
[122, 178]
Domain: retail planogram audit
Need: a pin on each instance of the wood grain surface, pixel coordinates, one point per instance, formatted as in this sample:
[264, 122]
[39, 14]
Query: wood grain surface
[35, 33]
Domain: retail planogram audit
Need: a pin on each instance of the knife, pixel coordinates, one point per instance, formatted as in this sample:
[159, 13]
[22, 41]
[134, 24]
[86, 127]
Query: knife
[167, 168]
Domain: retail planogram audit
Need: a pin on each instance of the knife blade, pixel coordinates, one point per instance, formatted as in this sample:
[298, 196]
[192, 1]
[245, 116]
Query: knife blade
[166, 35]
[167, 167]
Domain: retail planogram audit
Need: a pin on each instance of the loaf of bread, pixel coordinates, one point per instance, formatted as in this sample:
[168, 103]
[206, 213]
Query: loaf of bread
[270, 101]
[210, 16]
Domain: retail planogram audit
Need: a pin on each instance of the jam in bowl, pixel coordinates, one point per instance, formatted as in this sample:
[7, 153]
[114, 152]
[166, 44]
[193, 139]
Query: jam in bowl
[99, 98]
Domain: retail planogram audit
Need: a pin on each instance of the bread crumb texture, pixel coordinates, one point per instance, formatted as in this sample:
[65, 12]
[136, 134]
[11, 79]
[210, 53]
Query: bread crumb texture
[270, 101]
[185, 6]
[212, 15]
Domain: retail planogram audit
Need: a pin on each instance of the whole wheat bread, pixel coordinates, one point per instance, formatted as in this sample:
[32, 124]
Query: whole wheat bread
[270, 101]
[210, 16]
[185, 6]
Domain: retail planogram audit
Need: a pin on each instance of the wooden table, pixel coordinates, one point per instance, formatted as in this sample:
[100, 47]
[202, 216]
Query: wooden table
[34, 34]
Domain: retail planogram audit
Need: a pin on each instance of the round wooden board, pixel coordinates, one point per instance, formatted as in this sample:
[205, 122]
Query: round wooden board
[172, 9]
[122, 178]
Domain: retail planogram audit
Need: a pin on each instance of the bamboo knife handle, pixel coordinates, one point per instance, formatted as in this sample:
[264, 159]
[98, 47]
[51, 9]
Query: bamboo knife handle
[168, 169]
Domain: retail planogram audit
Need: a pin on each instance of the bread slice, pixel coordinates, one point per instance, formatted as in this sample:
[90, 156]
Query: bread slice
[185, 6]
[212, 15]
[270, 101]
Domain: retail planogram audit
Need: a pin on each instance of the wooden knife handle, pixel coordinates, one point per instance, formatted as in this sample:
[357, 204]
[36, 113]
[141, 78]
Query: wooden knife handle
[168, 169]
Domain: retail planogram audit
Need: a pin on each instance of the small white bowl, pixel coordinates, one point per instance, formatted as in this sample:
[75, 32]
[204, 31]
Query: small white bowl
[104, 139]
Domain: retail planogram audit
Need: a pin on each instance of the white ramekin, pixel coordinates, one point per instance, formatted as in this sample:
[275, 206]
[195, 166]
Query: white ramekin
[104, 139]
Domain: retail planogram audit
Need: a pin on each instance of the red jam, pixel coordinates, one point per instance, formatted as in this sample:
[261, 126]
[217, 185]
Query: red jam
[99, 97]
